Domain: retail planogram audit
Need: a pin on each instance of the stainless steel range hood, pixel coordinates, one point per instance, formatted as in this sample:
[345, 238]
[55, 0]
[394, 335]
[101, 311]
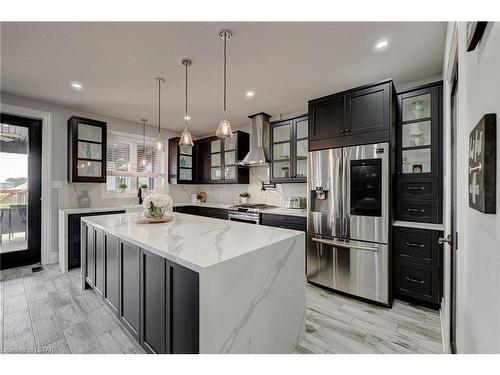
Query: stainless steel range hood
[259, 141]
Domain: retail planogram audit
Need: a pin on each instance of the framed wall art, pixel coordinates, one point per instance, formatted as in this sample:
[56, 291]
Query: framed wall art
[482, 165]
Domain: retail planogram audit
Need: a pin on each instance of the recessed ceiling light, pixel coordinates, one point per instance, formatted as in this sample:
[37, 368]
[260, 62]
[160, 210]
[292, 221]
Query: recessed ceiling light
[381, 44]
[76, 85]
[250, 94]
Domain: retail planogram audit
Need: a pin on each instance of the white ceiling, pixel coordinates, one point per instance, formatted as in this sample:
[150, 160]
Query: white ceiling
[286, 64]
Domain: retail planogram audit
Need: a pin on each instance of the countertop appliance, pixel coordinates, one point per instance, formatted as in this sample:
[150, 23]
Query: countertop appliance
[247, 213]
[348, 220]
[295, 202]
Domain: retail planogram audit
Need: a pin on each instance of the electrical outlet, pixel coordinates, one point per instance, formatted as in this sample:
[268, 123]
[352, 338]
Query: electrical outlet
[56, 184]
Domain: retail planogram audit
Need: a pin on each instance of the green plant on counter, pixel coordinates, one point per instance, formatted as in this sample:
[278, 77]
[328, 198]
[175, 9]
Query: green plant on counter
[245, 194]
[144, 186]
[122, 186]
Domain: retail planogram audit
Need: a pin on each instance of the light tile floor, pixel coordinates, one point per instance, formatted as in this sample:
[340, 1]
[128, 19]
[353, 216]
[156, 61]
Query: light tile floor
[47, 312]
[338, 324]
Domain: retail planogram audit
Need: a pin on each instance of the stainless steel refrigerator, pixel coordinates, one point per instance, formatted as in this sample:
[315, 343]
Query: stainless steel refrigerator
[348, 220]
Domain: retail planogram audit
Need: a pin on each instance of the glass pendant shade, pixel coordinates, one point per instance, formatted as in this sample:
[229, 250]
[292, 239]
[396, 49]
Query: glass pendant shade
[159, 145]
[224, 130]
[186, 139]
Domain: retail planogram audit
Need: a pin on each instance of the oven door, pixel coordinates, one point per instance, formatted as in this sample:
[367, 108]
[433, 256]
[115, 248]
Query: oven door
[365, 171]
[354, 267]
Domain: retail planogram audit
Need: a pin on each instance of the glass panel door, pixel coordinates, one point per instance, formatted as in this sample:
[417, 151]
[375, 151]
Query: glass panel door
[14, 188]
[20, 191]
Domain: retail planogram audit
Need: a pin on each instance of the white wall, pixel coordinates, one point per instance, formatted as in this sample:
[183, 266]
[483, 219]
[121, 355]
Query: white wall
[478, 275]
[68, 196]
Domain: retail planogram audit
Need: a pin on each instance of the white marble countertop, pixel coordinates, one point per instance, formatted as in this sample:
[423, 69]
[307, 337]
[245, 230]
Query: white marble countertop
[205, 204]
[274, 211]
[70, 211]
[302, 212]
[413, 224]
[193, 241]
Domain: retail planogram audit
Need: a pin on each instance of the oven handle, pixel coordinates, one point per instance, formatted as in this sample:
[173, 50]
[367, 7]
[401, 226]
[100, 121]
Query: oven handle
[344, 245]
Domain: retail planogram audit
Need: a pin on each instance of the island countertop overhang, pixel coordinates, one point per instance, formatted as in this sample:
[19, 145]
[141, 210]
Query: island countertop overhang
[195, 242]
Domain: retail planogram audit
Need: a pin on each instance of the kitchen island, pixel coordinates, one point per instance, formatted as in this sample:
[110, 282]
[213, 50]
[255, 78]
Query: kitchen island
[197, 284]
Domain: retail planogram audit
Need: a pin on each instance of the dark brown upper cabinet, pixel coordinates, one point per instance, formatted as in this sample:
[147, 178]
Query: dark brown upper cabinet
[289, 147]
[224, 155]
[354, 117]
[212, 161]
[86, 150]
[182, 163]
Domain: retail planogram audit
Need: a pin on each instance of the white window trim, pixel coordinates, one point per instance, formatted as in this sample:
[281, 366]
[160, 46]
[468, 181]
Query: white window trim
[117, 194]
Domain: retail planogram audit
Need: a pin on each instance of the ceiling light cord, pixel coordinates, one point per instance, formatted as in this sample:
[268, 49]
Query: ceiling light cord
[186, 100]
[159, 104]
[225, 75]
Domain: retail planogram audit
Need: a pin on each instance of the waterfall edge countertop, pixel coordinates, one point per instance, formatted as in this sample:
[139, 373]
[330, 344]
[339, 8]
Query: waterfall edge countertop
[251, 287]
[195, 242]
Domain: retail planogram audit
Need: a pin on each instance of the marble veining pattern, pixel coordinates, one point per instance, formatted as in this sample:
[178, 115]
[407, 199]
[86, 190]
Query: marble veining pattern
[184, 240]
[262, 294]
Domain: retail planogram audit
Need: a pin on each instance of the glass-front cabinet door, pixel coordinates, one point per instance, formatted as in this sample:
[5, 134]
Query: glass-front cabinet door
[289, 148]
[418, 133]
[87, 141]
[186, 163]
[216, 160]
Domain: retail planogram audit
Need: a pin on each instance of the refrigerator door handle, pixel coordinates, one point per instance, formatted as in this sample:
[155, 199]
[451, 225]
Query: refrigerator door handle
[345, 245]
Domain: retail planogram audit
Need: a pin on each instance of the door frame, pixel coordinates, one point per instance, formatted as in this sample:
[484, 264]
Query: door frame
[47, 257]
[450, 60]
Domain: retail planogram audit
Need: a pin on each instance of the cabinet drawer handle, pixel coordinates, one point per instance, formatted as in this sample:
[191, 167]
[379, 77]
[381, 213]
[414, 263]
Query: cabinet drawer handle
[416, 210]
[416, 188]
[414, 244]
[421, 282]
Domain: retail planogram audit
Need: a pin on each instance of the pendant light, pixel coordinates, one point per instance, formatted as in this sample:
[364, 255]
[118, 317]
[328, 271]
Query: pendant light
[186, 139]
[143, 160]
[159, 144]
[224, 130]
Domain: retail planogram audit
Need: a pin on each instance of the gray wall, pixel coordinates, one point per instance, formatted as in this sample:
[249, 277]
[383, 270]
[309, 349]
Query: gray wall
[478, 283]
[68, 196]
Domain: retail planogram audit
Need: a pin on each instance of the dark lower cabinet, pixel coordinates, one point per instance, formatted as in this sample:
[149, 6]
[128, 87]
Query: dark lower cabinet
[129, 312]
[74, 235]
[218, 213]
[155, 299]
[284, 221]
[417, 266]
[111, 272]
[90, 255]
[99, 261]
[153, 307]
[183, 310]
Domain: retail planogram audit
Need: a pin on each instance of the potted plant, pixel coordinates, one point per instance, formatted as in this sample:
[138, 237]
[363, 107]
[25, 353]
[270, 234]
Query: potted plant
[244, 197]
[143, 187]
[122, 186]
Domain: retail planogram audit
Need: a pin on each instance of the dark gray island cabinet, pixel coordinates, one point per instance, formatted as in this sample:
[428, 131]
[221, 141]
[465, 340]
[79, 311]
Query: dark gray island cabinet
[191, 286]
[156, 300]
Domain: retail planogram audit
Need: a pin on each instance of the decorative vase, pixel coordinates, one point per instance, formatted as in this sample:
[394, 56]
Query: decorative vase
[244, 200]
[418, 109]
[156, 212]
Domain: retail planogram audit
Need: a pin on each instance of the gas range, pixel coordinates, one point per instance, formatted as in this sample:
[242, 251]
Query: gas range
[248, 213]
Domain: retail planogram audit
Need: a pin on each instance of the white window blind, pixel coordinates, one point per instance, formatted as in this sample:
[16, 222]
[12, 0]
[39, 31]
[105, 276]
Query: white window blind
[125, 153]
